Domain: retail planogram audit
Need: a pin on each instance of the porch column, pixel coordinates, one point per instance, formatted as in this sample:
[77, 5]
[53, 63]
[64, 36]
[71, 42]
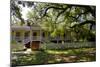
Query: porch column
[62, 38]
[22, 36]
[57, 38]
[13, 36]
[40, 35]
[31, 37]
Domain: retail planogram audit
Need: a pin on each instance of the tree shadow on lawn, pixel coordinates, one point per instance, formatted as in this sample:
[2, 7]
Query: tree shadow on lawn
[44, 57]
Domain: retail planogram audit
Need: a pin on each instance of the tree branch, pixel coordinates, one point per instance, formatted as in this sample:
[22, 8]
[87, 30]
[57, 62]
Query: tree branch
[83, 23]
[50, 8]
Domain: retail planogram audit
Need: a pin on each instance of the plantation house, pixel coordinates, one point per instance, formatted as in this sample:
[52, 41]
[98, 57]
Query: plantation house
[34, 35]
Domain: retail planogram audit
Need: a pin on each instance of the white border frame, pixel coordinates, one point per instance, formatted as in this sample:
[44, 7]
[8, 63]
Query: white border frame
[5, 33]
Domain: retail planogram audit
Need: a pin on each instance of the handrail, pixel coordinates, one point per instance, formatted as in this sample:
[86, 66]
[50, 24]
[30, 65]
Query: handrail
[38, 38]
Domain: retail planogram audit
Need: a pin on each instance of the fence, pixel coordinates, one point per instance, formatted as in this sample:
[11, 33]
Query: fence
[67, 45]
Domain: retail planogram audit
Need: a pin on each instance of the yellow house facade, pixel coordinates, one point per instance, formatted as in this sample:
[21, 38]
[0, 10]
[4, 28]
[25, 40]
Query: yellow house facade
[33, 35]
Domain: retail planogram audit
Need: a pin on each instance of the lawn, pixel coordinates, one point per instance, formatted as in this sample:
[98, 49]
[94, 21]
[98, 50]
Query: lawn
[55, 56]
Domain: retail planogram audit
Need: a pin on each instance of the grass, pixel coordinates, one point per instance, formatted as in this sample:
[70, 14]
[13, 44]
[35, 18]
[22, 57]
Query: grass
[56, 56]
[71, 51]
[16, 47]
[49, 56]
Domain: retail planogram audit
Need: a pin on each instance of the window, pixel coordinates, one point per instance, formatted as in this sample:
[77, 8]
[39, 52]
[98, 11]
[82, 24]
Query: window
[43, 34]
[34, 34]
[17, 34]
[26, 34]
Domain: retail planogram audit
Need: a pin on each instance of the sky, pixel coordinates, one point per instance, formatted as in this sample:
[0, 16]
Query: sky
[24, 12]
